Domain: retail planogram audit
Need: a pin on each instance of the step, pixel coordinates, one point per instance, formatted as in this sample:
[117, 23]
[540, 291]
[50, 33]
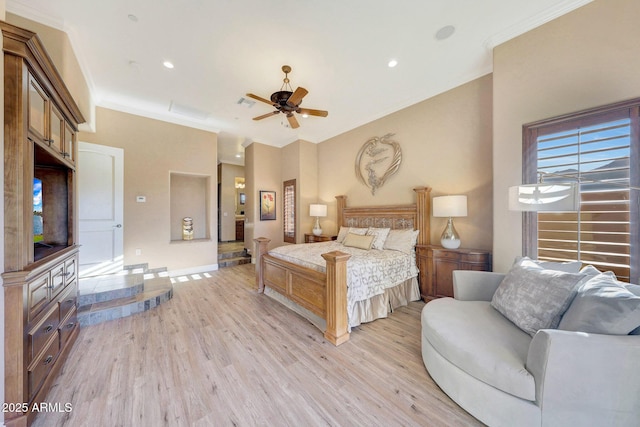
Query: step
[233, 254]
[229, 262]
[119, 295]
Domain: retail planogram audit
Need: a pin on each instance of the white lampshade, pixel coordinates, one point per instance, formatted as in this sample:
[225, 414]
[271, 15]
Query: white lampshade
[317, 210]
[450, 206]
[541, 197]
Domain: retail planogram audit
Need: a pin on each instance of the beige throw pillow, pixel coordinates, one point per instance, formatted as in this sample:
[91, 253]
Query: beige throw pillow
[358, 241]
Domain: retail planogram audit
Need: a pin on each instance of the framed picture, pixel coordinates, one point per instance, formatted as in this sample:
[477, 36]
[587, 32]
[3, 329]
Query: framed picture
[267, 205]
[243, 198]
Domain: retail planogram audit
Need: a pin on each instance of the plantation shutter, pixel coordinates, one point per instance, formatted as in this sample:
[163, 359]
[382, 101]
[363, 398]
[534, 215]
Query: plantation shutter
[289, 211]
[599, 150]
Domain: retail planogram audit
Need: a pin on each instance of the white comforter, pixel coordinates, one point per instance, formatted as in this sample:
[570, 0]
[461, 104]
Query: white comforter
[369, 273]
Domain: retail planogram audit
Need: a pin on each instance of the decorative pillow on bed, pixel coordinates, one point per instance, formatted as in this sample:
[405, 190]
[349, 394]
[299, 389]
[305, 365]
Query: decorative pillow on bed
[353, 230]
[358, 241]
[534, 298]
[379, 236]
[603, 305]
[402, 240]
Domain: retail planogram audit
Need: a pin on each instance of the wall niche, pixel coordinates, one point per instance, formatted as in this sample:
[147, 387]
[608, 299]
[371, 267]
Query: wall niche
[190, 198]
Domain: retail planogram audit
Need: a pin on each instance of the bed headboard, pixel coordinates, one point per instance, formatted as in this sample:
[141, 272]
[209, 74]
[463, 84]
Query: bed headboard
[415, 216]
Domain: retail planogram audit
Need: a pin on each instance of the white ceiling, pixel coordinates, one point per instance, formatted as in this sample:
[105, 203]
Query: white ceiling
[338, 50]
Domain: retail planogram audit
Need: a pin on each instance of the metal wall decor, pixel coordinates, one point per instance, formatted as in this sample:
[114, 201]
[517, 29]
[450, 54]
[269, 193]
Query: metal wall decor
[378, 159]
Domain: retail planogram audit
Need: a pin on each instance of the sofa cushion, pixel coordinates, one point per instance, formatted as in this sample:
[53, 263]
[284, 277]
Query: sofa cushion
[480, 341]
[603, 305]
[535, 298]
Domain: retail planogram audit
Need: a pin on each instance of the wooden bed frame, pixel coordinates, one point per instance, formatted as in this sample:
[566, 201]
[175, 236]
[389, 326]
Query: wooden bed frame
[325, 294]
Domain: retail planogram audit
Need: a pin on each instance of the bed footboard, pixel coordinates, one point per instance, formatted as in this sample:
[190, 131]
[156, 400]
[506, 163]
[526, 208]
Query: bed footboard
[324, 294]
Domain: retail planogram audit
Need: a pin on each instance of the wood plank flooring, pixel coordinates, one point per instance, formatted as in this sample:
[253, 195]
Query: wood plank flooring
[220, 354]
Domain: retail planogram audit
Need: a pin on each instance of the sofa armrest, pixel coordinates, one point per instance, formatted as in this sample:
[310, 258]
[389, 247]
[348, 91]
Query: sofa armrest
[470, 285]
[586, 379]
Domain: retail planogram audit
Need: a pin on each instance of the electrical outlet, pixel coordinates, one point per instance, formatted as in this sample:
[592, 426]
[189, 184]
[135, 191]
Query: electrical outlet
[138, 251]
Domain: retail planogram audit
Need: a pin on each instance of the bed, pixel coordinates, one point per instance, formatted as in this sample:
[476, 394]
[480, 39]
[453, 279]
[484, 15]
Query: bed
[323, 290]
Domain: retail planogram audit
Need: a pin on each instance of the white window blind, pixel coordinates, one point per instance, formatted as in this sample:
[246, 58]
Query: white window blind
[599, 151]
[289, 211]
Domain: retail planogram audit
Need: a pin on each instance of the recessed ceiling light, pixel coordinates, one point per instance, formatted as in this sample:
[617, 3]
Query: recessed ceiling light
[168, 64]
[238, 155]
[445, 32]
[392, 63]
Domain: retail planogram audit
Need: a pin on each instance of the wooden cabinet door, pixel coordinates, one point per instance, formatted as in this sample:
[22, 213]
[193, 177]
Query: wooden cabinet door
[56, 130]
[38, 106]
[69, 150]
[443, 273]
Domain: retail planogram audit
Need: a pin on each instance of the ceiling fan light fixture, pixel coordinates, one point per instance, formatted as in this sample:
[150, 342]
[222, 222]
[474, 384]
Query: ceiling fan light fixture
[392, 63]
[168, 64]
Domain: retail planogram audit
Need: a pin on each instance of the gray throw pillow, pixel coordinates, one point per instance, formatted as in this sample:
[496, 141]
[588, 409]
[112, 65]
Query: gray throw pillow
[534, 298]
[603, 305]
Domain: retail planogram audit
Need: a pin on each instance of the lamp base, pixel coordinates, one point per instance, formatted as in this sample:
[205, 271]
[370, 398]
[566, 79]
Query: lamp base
[450, 238]
[316, 228]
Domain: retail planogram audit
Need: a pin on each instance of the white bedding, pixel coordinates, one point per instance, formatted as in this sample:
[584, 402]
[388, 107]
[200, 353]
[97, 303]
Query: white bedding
[369, 272]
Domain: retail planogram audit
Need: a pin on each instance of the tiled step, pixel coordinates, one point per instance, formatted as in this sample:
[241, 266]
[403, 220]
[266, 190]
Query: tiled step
[231, 258]
[123, 294]
[228, 262]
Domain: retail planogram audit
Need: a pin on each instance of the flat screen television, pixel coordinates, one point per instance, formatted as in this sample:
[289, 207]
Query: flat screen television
[38, 223]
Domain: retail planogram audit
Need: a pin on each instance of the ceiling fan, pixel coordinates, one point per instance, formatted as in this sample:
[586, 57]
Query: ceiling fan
[287, 101]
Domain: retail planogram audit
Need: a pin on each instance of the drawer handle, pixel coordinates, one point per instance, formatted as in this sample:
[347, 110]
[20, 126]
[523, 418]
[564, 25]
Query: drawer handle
[69, 301]
[47, 360]
[70, 325]
[48, 329]
[68, 273]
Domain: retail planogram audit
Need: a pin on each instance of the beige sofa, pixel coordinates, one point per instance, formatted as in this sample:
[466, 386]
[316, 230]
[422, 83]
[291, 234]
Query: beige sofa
[505, 377]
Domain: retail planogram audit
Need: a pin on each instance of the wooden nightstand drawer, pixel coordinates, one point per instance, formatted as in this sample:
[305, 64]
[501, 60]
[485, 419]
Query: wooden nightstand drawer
[67, 326]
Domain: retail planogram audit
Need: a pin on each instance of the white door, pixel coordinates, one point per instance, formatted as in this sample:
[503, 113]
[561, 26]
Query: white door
[100, 208]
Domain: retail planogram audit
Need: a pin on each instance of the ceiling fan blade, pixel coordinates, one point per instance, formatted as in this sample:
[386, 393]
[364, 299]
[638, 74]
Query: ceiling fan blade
[264, 116]
[295, 98]
[258, 98]
[311, 112]
[292, 121]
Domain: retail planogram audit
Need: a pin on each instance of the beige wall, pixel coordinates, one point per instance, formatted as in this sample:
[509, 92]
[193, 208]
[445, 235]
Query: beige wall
[584, 59]
[300, 162]
[262, 172]
[59, 48]
[446, 144]
[152, 151]
[228, 200]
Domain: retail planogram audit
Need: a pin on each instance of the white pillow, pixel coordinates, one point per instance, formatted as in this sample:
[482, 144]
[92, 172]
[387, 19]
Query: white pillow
[603, 305]
[346, 230]
[535, 298]
[402, 240]
[567, 267]
[379, 236]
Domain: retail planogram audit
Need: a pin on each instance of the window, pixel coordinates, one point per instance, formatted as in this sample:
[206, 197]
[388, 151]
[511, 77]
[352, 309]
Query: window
[599, 149]
[289, 211]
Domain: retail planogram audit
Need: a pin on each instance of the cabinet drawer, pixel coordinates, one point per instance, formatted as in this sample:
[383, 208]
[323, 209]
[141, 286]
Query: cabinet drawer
[38, 295]
[68, 301]
[70, 269]
[41, 332]
[57, 279]
[41, 366]
[67, 326]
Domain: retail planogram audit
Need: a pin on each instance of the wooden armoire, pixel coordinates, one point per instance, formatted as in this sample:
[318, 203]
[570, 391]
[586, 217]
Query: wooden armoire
[40, 233]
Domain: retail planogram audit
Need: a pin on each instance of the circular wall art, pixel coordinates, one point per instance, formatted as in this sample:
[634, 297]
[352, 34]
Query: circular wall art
[377, 160]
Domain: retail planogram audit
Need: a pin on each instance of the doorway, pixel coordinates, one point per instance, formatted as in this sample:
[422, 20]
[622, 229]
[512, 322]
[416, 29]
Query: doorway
[100, 209]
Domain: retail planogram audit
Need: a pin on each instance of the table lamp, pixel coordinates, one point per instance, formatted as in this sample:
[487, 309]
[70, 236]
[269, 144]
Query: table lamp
[450, 206]
[317, 211]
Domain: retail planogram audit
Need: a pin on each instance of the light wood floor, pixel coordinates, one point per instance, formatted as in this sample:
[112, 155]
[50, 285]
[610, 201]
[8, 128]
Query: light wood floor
[219, 354]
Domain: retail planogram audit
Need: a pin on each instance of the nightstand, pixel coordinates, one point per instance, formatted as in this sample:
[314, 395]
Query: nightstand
[436, 265]
[312, 238]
